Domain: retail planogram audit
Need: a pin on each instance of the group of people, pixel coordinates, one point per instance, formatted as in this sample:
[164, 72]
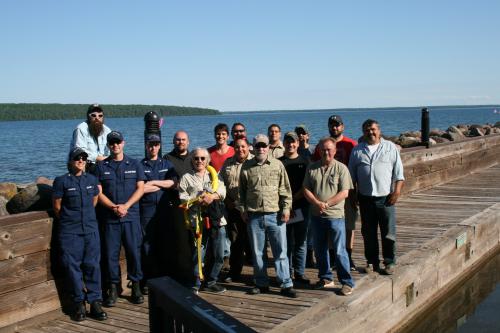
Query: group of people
[233, 200]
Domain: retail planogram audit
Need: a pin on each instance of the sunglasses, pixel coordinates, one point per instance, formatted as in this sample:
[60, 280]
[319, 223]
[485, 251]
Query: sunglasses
[114, 142]
[199, 158]
[300, 132]
[80, 157]
[260, 145]
[239, 131]
[96, 115]
[153, 143]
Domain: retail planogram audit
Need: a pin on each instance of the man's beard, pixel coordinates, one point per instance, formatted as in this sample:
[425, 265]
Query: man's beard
[95, 128]
[336, 136]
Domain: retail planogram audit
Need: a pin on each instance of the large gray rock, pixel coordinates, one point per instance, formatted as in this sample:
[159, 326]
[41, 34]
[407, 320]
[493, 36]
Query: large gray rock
[476, 131]
[3, 206]
[8, 190]
[454, 134]
[439, 139]
[436, 132]
[408, 141]
[413, 134]
[33, 197]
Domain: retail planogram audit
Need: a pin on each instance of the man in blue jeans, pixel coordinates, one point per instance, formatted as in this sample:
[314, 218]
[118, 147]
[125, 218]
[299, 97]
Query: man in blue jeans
[326, 186]
[265, 202]
[377, 171]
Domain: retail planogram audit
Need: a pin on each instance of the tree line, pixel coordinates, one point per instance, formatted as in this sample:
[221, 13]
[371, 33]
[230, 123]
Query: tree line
[37, 111]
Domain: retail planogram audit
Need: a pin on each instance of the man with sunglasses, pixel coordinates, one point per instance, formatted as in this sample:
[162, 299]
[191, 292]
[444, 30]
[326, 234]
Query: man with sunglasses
[121, 180]
[74, 198]
[237, 131]
[156, 206]
[91, 136]
[265, 203]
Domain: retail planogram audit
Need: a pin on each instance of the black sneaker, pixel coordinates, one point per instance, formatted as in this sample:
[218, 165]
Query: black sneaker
[97, 312]
[79, 312]
[215, 288]
[301, 279]
[288, 292]
[258, 290]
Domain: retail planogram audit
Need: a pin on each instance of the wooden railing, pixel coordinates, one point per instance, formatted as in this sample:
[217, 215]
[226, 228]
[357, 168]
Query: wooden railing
[173, 308]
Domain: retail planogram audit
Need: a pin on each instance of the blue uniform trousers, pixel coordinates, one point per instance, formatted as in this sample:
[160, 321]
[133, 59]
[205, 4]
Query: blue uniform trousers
[81, 254]
[131, 235]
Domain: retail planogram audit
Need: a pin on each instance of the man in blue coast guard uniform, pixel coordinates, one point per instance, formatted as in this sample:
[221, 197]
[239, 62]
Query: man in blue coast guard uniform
[74, 198]
[121, 180]
[156, 206]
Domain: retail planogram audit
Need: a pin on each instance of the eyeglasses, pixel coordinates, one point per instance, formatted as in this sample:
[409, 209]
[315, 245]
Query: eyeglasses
[96, 115]
[238, 131]
[199, 158]
[80, 157]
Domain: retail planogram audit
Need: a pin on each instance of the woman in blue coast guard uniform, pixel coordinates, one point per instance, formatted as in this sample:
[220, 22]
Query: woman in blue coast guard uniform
[156, 207]
[74, 198]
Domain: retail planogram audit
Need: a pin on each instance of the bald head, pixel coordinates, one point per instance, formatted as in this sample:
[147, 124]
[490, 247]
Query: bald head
[181, 142]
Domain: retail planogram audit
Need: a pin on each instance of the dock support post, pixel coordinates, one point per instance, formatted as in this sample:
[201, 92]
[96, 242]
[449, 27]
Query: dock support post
[425, 127]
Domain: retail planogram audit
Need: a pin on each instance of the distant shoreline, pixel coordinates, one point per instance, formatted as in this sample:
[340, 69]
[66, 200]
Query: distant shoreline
[361, 109]
[55, 111]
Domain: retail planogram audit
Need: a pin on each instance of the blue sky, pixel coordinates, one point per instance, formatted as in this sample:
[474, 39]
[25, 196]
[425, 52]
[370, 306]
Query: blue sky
[251, 55]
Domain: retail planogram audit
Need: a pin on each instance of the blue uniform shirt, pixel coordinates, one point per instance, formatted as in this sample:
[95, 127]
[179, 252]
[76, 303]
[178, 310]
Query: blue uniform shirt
[77, 208]
[119, 181]
[159, 169]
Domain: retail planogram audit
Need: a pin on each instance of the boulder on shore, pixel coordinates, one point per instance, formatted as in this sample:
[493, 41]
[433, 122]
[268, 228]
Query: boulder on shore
[408, 141]
[33, 197]
[8, 190]
[3, 206]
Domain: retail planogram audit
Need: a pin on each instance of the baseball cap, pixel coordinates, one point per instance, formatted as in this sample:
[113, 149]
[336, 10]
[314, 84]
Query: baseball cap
[114, 136]
[261, 138]
[335, 119]
[291, 136]
[301, 128]
[153, 138]
[77, 151]
[94, 108]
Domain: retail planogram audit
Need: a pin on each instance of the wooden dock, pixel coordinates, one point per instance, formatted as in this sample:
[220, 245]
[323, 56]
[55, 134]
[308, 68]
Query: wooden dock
[422, 217]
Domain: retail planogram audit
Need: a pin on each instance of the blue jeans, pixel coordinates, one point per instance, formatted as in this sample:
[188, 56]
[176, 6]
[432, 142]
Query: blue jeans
[259, 225]
[296, 237]
[376, 213]
[335, 228]
[213, 239]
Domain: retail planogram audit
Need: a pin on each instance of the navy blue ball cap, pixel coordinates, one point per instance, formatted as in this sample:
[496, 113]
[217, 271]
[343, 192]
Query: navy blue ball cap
[114, 136]
[153, 138]
[77, 151]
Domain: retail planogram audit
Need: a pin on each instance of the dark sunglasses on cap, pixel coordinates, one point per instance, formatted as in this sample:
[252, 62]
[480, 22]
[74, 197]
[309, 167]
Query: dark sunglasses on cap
[199, 158]
[80, 157]
[96, 115]
[260, 145]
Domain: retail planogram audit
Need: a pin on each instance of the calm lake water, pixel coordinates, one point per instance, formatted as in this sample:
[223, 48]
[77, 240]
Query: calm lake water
[39, 148]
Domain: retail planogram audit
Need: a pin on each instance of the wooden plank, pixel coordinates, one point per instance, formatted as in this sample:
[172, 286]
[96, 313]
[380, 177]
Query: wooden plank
[25, 238]
[24, 271]
[28, 302]
[23, 218]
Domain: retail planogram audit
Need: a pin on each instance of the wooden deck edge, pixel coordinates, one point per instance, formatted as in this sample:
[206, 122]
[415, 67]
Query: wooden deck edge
[383, 303]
